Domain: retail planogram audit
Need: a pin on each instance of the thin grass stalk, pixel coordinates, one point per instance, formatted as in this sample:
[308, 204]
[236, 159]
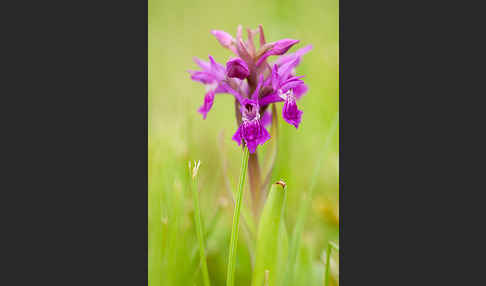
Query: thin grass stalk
[230, 278]
[199, 227]
[208, 232]
[330, 245]
[267, 275]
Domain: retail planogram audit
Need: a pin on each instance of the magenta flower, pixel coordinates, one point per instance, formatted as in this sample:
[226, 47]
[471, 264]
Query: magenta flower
[251, 129]
[283, 85]
[290, 112]
[254, 83]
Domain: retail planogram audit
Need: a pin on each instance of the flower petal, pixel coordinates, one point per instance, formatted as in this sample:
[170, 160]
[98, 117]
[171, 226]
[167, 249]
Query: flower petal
[300, 90]
[208, 103]
[290, 83]
[285, 70]
[202, 76]
[228, 89]
[289, 57]
[205, 66]
[217, 69]
[237, 136]
[270, 98]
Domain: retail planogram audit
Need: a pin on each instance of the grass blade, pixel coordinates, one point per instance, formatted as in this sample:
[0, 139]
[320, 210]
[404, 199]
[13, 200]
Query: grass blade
[198, 220]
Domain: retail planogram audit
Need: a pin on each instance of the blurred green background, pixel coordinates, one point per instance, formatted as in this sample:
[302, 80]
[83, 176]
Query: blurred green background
[179, 31]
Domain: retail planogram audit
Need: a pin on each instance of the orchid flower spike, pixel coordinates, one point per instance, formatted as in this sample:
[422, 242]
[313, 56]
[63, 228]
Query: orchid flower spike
[254, 82]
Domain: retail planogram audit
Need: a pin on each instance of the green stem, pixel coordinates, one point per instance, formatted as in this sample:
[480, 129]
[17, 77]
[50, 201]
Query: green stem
[230, 278]
[200, 233]
[330, 245]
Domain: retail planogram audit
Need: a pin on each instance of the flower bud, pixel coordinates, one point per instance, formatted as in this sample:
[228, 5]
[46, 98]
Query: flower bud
[282, 46]
[225, 39]
[279, 48]
[237, 68]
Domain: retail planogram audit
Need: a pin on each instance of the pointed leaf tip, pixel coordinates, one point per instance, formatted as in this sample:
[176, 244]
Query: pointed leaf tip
[282, 183]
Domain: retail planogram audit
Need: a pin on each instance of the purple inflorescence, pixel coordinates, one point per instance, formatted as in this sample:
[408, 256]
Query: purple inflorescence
[254, 82]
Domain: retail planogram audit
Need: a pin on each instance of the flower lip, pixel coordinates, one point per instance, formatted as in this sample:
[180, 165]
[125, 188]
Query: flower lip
[253, 133]
[290, 112]
[236, 67]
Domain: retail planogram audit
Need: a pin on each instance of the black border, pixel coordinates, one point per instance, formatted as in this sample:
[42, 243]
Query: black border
[76, 176]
